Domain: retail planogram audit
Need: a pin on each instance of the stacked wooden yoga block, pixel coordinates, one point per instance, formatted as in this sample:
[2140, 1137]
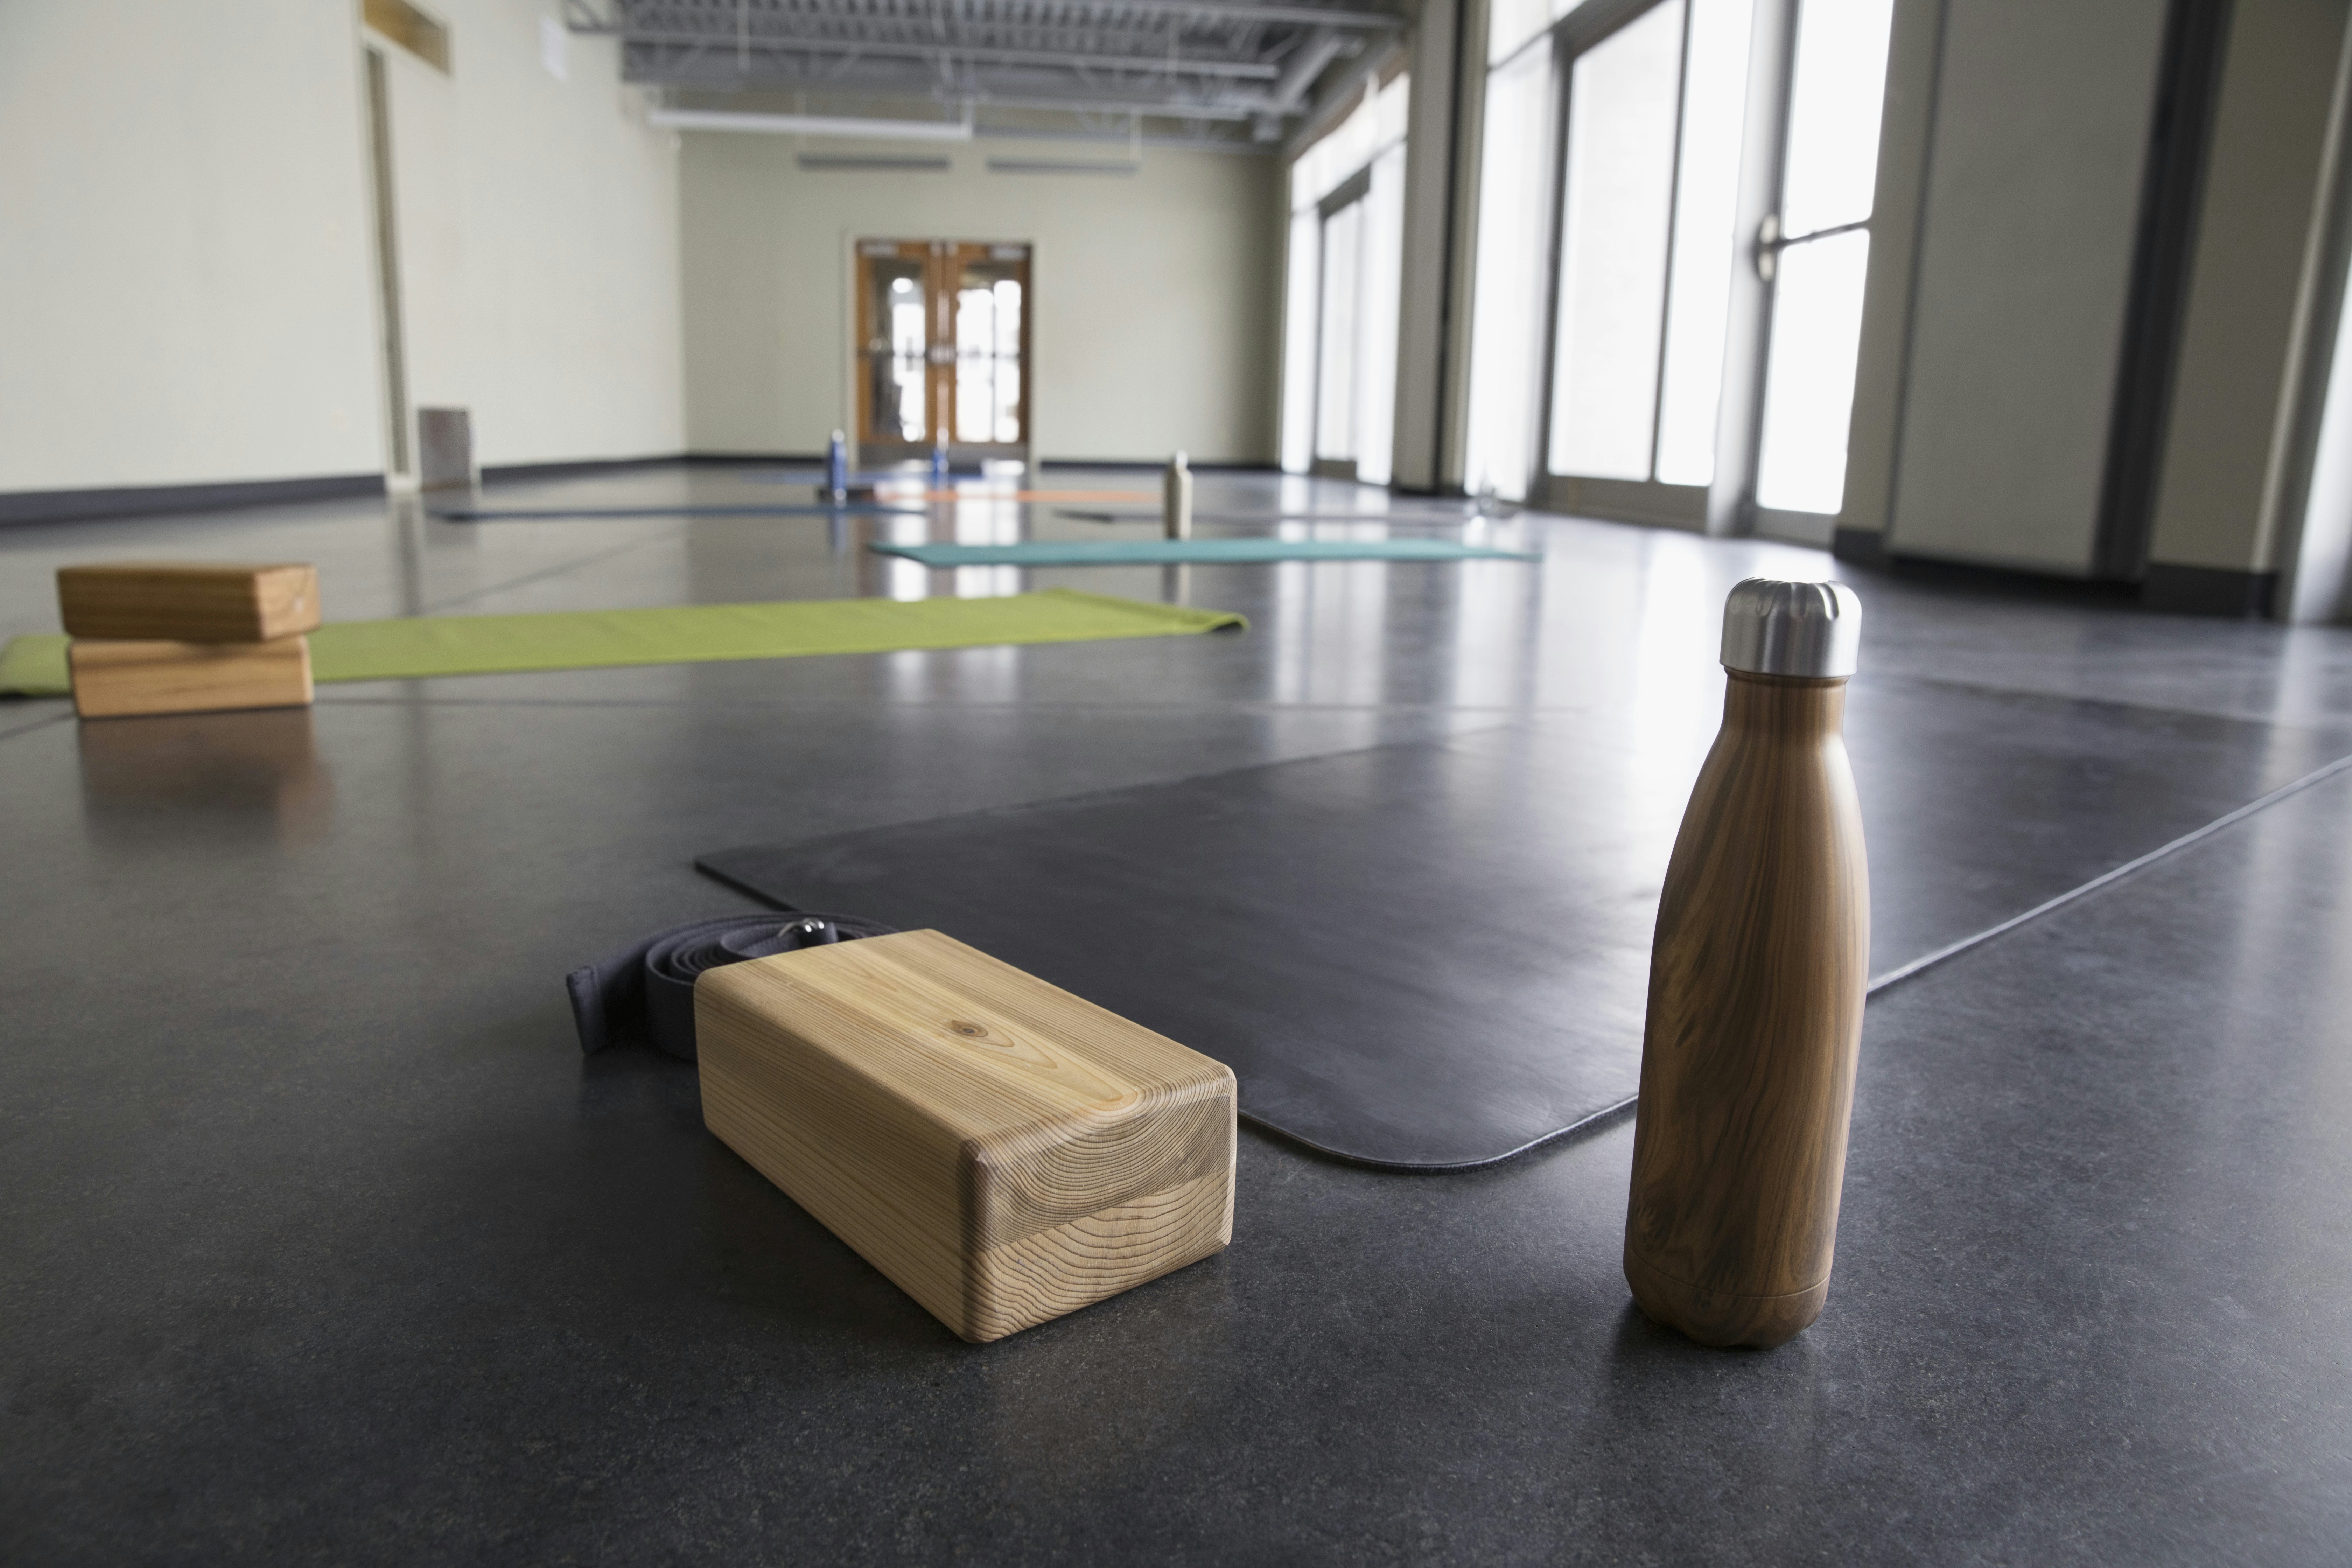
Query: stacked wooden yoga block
[160, 638]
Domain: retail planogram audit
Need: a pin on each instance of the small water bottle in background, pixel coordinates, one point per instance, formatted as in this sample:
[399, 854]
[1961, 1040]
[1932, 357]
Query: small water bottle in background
[939, 462]
[1756, 978]
[836, 469]
[1176, 500]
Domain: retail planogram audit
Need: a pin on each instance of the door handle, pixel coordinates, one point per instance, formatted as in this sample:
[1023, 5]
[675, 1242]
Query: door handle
[1771, 240]
[1769, 244]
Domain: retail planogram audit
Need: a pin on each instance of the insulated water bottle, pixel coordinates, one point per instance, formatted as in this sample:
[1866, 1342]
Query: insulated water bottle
[1176, 500]
[836, 469]
[1756, 978]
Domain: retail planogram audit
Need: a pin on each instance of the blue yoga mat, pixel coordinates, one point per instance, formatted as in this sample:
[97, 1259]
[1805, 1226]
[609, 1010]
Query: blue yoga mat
[1190, 551]
[505, 514]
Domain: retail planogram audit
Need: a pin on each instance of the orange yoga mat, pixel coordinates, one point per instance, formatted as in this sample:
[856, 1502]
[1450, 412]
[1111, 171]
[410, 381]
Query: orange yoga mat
[1022, 495]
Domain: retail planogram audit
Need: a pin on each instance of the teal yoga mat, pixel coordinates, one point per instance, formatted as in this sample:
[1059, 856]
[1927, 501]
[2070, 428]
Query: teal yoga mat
[1191, 552]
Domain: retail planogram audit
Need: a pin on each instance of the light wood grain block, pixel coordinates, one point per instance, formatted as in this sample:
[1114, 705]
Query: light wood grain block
[1004, 1152]
[152, 601]
[120, 679]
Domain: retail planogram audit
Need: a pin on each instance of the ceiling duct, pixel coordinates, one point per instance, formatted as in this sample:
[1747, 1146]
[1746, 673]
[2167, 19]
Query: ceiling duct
[815, 125]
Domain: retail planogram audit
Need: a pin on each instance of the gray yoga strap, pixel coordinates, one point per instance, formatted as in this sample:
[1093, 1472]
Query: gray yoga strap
[644, 995]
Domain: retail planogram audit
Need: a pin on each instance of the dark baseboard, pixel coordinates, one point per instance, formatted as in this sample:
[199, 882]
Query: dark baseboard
[2011, 582]
[21, 507]
[510, 473]
[1863, 546]
[2209, 591]
[748, 459]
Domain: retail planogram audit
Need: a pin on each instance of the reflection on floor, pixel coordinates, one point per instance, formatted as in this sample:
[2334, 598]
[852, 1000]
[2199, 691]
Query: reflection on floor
[326, 1242]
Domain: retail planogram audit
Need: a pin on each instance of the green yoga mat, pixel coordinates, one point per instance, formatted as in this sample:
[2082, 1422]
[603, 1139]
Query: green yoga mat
[685, 634]
[1191, 552]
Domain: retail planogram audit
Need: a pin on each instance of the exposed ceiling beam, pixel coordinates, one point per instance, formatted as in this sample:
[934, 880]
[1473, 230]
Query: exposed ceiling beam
[790, 44]
[850, 125]
[582, 19]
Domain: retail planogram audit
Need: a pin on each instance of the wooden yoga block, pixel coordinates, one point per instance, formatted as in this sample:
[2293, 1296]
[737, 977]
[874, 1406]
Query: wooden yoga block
[152, 600]
[120, 679]
[1004, 1151]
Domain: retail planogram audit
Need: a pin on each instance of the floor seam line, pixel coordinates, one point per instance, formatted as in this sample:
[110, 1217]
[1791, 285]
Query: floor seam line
[52, 720]
[2107, 879]
[523, 581]
[2133, 705]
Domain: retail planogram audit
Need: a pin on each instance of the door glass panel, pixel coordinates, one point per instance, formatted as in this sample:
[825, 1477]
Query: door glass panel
[1834, 110]
[1511, 23]
[1507, 323]
[1378, 300]
[1809, 388]
[1335, 384]
[988, 353]
[1303, 273]
[898, 358]
[1618, 193]
[1706, 212]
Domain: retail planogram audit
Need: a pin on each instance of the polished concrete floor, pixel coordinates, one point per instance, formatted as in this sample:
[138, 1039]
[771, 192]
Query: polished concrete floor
[324, 1243]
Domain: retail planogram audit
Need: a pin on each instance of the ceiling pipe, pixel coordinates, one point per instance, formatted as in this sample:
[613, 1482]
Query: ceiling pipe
[849, 125]
[1290, 89]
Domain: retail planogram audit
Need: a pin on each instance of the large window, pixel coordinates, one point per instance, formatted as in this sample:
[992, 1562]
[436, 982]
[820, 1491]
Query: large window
[1610, 294]
[1506, 323]
[1823, 252]
[1340, 294]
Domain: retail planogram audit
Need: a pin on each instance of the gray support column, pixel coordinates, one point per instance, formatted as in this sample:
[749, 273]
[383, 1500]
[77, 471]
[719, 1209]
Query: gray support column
[1730, 500]
[1469, 126]
[2230, 474]
[2315, 502]
[1423, 316]
[2024, 272]
[1906, 129]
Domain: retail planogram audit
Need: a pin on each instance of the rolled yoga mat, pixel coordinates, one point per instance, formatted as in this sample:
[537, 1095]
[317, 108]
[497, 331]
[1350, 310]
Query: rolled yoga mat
[644, 995]
[1190, 551]
[424, 646]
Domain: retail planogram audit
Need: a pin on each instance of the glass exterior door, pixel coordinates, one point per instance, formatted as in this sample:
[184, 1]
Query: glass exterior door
[1335, 370]
[1647, 201]
[1815, 251]
[943, 347]
[1641, 346]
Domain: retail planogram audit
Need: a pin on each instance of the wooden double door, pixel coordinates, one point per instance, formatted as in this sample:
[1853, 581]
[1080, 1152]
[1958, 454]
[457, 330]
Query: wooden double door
[942, 342]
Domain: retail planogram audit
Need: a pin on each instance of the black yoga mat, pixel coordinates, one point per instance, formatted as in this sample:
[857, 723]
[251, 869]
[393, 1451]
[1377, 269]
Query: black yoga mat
[1434, 956]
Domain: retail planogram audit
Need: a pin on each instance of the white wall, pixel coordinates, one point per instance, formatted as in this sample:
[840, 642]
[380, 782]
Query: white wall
[1879, 366]
[1154, 293]
[2033, 180]
[184, 245]
[187, 260]
[539, 244]
[2256, 229]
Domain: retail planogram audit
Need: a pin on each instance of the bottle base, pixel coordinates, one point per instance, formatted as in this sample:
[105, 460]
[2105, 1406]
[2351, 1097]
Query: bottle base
[1718, 1317]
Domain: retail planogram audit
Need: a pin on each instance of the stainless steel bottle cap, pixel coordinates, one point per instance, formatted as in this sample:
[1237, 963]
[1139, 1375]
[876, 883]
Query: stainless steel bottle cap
[1772, 627]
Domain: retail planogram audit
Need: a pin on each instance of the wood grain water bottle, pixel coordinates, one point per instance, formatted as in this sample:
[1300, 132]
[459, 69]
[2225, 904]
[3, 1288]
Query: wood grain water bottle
[1756, 978]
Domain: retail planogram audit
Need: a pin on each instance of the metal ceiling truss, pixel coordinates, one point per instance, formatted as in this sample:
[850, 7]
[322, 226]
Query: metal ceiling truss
[1199, 60]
